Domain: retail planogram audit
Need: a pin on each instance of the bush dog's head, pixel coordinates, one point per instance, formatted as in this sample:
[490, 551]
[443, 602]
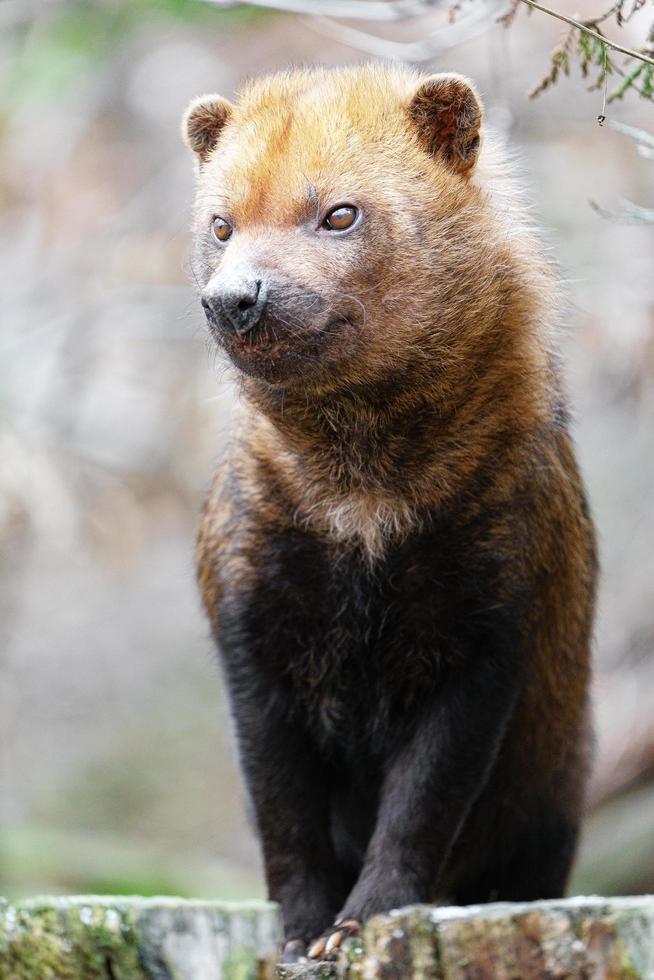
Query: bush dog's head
[337, 231]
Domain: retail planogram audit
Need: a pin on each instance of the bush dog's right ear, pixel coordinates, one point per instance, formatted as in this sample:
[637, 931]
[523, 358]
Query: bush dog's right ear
[446, 111]
[202, 124]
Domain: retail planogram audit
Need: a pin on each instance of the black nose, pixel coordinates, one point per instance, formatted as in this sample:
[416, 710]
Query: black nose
[237, 307]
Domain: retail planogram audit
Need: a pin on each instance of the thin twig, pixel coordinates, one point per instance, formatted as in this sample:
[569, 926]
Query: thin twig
[587, 30]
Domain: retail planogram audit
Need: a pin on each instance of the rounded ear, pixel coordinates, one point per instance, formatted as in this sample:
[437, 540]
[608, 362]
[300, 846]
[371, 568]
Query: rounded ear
[202, 123]
[446, 111]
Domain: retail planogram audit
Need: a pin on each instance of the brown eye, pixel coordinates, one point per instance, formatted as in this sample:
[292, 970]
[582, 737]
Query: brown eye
[220, 229]
[341, 218]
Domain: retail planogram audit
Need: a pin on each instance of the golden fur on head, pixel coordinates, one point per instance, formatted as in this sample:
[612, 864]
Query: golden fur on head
[405, 353]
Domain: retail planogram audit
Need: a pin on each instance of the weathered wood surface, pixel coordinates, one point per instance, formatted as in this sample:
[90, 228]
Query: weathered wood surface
[90, 938]
[575, 939]
[106, 938]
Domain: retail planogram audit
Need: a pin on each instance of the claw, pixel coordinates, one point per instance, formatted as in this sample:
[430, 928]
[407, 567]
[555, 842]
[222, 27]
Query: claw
[317, 949]
[328, 944]
[334, 941]
[351, 926]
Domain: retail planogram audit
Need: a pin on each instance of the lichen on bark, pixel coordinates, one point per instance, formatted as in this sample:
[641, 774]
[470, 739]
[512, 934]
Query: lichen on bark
[574, 939]
[104, 938]
[90, 938]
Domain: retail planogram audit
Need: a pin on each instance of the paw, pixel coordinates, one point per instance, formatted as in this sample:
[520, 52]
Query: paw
[294, 951]
[327, 945]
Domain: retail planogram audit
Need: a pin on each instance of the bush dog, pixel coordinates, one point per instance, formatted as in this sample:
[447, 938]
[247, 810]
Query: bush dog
[396, 556]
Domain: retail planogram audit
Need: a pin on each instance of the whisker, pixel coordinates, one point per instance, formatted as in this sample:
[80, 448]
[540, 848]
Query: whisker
[359, 302]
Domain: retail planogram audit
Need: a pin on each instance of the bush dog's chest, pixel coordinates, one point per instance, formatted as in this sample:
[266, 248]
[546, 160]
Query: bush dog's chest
[359, 647]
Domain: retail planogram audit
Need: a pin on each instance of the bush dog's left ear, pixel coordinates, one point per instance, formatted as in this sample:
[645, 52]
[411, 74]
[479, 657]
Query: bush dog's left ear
[447, 112]
[202, 123]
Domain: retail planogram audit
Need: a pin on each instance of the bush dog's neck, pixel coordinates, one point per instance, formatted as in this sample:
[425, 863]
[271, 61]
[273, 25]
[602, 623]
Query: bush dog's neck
[425, 423]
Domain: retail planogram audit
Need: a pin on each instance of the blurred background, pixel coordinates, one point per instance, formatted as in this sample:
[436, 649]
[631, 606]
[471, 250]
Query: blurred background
[116, 765]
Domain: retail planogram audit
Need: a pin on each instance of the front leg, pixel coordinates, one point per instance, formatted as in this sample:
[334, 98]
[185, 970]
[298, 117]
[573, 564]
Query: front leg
[289, 786]
[430, 786]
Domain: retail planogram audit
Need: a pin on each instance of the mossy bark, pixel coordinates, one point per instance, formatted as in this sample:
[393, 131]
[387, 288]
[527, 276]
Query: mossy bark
[90, 938]
[103, 938]
[576, 939]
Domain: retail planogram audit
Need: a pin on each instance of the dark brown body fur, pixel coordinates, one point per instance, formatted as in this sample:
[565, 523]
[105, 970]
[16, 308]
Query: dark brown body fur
[396, 556]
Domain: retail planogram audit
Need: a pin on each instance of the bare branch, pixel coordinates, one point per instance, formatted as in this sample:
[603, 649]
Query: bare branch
[427, 48]
[325, 15]
[641, 136]
[631, 214]
[379, 10]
